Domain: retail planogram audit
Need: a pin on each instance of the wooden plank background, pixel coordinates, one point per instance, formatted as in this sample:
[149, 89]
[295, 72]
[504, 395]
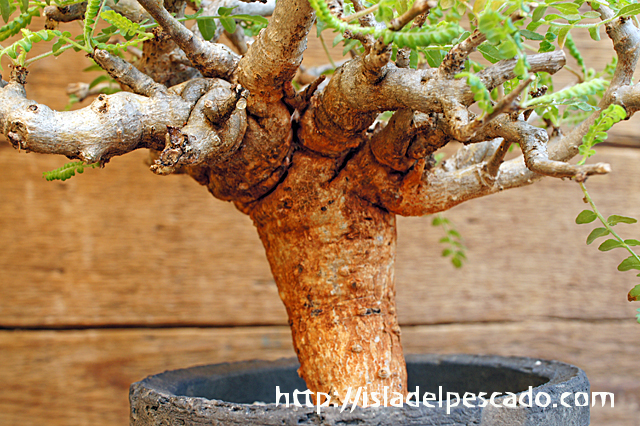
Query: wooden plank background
[118, 274]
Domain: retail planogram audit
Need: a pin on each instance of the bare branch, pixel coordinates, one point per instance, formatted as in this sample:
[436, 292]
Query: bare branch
[533, 142]
[112, 125]
[464, 132]
[417, 8]
[69, 13]
[212, 59]
[306, 75]
[213, 133]
[275, 56]
[390, 144]
[629, 98]
[453, 62]
[210, 8]
[128, 8]
[82, 90]
[366, 19]
[238, 39]
[126, 74]
[262, 8]
[502, 71]
[351, 100]
[164, 61]
[375, 60]
[409, 136]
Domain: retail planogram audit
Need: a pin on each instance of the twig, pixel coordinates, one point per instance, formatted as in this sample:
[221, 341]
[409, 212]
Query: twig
[212, 59]
[418, 8]
[361, 13]
[366, 20]
[505, 105]
[493, 165]
[125, 73]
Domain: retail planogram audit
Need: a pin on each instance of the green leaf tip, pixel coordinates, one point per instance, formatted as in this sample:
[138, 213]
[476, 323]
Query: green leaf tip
[616, 219]
[629, 263]
[597, 233]
[586, 216]
[634, 295]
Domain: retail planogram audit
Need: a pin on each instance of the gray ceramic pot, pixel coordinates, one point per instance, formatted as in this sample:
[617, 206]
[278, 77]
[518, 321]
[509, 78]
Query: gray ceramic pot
[226, 394]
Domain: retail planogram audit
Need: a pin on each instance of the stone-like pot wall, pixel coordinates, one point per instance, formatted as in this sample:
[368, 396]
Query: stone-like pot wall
[244, 394]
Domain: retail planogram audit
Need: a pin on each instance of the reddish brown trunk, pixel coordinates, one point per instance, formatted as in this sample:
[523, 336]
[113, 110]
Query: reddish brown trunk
[332, 255]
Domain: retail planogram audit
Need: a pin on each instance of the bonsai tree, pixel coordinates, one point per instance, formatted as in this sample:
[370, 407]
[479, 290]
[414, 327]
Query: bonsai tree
[324, 163]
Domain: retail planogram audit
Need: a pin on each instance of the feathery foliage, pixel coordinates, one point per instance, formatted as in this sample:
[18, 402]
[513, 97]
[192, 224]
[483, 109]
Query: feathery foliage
[67, 171]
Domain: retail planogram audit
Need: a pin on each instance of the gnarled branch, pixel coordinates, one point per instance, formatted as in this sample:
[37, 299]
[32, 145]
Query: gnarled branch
[275, 56]
[112, 125]
[351, 101]
[211, 59]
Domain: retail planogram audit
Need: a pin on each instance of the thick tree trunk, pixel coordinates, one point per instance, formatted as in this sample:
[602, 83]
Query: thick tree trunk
[332, 255]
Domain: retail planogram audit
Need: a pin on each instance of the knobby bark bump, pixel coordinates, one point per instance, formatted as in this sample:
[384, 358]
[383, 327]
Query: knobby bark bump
[319, 176]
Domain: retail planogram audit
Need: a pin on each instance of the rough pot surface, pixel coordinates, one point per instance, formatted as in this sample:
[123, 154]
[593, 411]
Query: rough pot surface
[225, 394]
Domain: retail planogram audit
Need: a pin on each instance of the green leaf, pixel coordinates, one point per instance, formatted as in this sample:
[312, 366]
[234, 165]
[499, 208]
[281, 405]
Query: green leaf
[597, 233]
[570, 94]
[195, 15]
[348, 45]
[446, 252]
[225, 11]
[594, 32]
[531, 35]
[57, 45]
[634, 295]
[5, 9]
[434, 57]
[413, 59]
[610, 244]
[24, 6]
[454, 233]
[251, 18]
[632, 242]
[566, 8]
[337, 39]
[100, 79]
[591, 14]
[447, 4]
[229, 24]
[207, 27]
[457, 262]
[489, 52]
[127, 27]
[629, 263]
[562, 35]
[552, 17]
[479, 6]
[632, 9]
[615, 219]
[538, 13]
[586, 216]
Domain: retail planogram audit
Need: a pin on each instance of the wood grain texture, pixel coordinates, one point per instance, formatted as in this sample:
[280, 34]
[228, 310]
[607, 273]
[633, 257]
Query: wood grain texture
[81, 377]
[121, 246]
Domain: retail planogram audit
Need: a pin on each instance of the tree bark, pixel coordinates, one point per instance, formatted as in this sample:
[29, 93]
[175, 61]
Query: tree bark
[332, 255]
